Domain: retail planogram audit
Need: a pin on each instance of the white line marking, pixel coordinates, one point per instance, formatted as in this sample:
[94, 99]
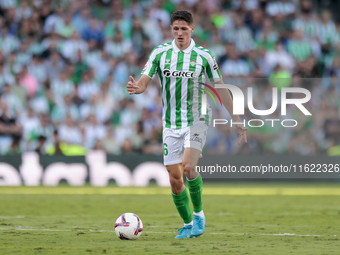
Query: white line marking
[150, 232]
[290, 234]
[101, 230]
[153, 215]
[220, 214]
[163, 215]
[33, 229]
[154, 232]
[11, 217]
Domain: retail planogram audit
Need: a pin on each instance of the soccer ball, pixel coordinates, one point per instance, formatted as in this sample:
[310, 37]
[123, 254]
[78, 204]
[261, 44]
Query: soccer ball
[128, 226]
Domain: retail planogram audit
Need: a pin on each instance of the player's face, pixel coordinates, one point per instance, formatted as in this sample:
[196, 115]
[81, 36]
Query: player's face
[182, 32]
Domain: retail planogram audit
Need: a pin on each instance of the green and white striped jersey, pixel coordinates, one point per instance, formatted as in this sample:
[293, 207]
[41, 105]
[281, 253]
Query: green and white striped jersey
[179, 73]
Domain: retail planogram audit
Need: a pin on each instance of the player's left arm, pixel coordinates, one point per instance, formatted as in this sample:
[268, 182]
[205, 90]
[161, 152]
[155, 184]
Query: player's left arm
[215, 77]
[228, 104]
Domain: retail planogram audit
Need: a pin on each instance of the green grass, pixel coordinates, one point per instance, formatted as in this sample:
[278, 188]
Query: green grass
[68, 220]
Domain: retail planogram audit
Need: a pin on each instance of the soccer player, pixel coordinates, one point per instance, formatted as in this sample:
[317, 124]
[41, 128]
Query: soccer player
[181, 65]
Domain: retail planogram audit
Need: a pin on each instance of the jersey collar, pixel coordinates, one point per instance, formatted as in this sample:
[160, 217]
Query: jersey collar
[187, 50]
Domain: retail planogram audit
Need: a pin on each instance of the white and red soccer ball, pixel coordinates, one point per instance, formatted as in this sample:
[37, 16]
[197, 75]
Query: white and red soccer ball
[128, 226]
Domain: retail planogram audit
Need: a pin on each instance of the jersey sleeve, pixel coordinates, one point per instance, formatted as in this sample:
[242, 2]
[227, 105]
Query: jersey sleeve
[150, 68]
[212, 70]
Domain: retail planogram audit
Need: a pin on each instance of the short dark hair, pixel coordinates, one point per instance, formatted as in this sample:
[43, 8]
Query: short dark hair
[182, 15]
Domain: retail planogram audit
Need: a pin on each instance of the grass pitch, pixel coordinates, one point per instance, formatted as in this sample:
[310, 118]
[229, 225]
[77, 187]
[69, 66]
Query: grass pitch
[241, 219]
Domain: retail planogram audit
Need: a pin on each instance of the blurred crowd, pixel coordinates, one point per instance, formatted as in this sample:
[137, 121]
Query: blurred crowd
[64, 66]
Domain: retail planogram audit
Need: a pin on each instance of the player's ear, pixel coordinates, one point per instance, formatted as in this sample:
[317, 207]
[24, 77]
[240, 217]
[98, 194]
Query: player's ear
[192, 28]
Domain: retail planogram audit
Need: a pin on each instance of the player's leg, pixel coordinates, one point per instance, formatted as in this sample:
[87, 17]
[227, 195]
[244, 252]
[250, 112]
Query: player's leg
[181, 198]
[194, 179]
[173, 153]
[194, 143]
[195, 185]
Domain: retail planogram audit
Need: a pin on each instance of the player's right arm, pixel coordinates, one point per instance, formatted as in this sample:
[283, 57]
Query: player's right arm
[138, 87]
[148, 73]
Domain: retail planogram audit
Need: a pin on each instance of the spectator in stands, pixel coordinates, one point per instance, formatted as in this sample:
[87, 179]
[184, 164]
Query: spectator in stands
[9, 129]
[130, 115]
[158, 13]
[127, 146]
[152, 29]
[15, 147]
[69, 132]
[326, 30]
[331, 125]
[306, 22]
[93, 131]
[45, 127]
[20, 57]
[54, 64]
[54, 21]
[29, 82]
[245, 5]
[66, 29]
[255, 22]
[241, 36]
[118, 47]
[60, 111]
[109, 142]
[283, 26]
[62, 87]
[88, 86]
[299, 47]
[41, 148]
[267, 37]
[153, 145]
[30, 124]
[285, 7]
[94, 31]
[5, 76]
[13, 103]
[37, 69]
[72, 45]
[278, 56]
[54, 148]
[234, 66]
[8, 42]
[81, 20]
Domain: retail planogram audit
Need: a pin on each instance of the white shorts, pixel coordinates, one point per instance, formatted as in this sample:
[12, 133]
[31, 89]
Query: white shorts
[175, 140]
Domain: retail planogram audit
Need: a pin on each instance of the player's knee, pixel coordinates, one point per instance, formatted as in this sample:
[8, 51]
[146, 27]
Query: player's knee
[174, 181]
[188, 169]
[176, 184]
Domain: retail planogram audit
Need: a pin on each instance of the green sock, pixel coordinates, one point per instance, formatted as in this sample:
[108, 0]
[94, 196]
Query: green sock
[183, 205]
[195, 189]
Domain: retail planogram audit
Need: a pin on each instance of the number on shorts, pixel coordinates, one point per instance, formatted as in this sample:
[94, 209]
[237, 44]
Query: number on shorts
[165, 149]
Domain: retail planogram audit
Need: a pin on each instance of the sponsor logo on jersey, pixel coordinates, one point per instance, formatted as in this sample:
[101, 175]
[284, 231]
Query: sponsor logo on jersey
[196, 138]
[183, 74]
[167, 61]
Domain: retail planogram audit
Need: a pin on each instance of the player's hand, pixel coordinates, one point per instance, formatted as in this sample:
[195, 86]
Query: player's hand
[242, 133]
[132, 86]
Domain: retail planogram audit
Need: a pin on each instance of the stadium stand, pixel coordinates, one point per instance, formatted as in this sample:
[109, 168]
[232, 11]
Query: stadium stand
[64, 66]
